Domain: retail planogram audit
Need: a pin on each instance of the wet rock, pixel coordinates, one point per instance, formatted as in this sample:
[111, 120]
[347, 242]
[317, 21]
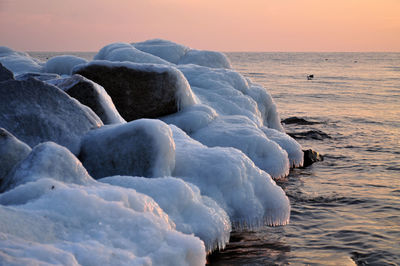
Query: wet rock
[34, 112]
[139, 148]
[310, 134]
[298, 121]
[93, 95]
[12, 151]
[140, 90]
[5, 74]
[311, 156]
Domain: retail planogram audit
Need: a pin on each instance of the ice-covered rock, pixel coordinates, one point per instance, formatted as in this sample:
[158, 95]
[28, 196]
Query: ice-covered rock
[91, 94]
[241, 133]
[47, 160]
[167, 50]
[39, 76]
[191, 212]
[35, 112]
[249, 195]
[63, 64]
[12, 151]
[205, 58]
[139, 148]
[5, 74]
[19, 62]
[51, 222]
[292, 147]
[140, 90]
[121, 52]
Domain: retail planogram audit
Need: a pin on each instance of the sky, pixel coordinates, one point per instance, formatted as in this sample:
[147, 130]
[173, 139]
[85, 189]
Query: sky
[221, 25]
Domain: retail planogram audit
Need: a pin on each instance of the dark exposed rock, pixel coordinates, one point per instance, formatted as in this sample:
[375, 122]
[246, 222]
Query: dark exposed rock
[93, 95]
[139, 91]
[311, 156]
[38, 76]
[310, 134]
[5, 74]
[298, 121]
[139, 148]
[12, 151]
[34, 112]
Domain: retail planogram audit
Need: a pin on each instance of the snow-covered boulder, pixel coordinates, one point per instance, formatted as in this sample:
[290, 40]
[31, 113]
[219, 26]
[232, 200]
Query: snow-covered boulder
[5, 74]
[35, 112]
[205, 58]
[48, 222]
[19, 62]
[39, 76]
[121, 52]
[47, 160]
[63, 64]
[191, 212]
[167, 50]
[249, 195]
[140, 90]
[91, 94]
[139, 148]
[12, 151]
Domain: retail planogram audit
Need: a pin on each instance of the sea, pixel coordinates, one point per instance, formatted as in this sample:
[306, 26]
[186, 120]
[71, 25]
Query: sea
[345, 210]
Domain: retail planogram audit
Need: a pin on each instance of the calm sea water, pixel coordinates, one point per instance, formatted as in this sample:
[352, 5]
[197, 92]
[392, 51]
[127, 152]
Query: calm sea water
[346, 209]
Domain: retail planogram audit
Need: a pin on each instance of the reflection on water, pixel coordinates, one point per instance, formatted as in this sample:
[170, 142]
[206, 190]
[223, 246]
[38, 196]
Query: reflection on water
[346, 209]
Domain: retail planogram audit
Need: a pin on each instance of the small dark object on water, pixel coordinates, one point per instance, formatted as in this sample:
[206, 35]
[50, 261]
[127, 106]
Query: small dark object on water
[310, 77]
[310, 134]
[311, 157]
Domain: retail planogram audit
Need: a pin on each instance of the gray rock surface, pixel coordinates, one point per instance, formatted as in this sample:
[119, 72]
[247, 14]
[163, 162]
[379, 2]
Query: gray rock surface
[5, 74]
[34, 112]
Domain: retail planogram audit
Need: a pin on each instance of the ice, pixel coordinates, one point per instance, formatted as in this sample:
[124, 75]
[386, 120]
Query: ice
[62, 64]
[191, 212]
[167, 50]
[120, 52]
[141, 147]
[96, 224]
[19, 62]
[206, 58]
[47, 160]
[249, 195]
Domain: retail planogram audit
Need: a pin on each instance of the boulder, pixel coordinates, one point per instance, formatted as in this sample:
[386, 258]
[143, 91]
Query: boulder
[91, 94]
[12, 151]
[140, 90]
[47, 160]
[35, 112]
[311, 156]
[63, 64]
[139, 148]
[5, 74]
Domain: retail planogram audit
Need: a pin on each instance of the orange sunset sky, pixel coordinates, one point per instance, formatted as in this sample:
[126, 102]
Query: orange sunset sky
[223, 25]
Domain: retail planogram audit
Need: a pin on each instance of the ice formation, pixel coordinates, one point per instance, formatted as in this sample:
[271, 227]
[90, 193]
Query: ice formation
[210, 160]
[191, 212]
[63, 64]
[19, 62]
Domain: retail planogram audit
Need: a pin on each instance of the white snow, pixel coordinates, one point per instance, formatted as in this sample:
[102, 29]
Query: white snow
[19, 62]
[167, 50]
[63, 64]
[191, 212]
